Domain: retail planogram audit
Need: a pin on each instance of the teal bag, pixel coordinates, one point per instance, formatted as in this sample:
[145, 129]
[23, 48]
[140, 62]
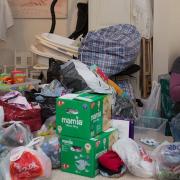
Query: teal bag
[167, 105]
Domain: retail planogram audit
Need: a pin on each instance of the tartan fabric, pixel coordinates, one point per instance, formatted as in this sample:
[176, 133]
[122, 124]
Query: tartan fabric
[112, 49]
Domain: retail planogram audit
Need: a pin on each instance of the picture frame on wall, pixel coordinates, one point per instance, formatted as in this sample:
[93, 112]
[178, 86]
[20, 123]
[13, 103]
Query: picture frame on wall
[37, 9]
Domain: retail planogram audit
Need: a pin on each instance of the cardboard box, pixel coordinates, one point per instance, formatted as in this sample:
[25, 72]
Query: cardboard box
[83, 115]
[80, 156]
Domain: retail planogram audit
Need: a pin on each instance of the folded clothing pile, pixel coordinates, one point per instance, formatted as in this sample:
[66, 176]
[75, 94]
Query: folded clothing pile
[54, 46]
[46, 97]
[111, 165]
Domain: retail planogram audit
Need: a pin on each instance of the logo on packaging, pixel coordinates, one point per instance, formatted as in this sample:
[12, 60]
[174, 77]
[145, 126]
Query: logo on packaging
[70, 121]
[87, 148]
[60, 103]
[174, 147]
[65, 166]
[98, 143]
[31, 166]
[85, 106]
[92, 105]
[99, 103]
[67, 142]
[96, 115]
[59, 129]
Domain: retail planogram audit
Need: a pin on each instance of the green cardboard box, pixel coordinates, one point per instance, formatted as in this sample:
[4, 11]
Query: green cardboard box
[81, 115]
[79, 156]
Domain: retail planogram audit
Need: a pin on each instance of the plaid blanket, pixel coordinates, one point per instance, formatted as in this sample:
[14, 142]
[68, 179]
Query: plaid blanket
[112, 49]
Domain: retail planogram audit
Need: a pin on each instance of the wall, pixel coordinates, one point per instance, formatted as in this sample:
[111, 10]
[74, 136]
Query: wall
[174, 31]
[166, 35]
[102, 13]
[21, 35]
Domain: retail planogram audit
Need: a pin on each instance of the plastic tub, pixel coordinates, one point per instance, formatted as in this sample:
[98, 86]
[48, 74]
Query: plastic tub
[150, 128]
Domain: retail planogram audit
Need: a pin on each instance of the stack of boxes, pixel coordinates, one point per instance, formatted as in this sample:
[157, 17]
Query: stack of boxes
[84, 126]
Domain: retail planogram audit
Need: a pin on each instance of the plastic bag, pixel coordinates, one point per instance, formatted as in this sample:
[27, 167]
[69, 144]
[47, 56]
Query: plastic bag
[135, 158]
[124, 108]
[167, 157]
[47, 98]
[54, 71]
[77, 76]
[48, 128]
[48, 106]
[31, 117]
[51, 148]
[4, 150]
[152, 105]
[175, 128]
[98, 72]
[54, 89]
[50, 145]
[15, 134]
[26, 163]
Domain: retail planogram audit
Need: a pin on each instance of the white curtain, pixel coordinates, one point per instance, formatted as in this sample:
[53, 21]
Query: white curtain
[6, 19]
[142, 16]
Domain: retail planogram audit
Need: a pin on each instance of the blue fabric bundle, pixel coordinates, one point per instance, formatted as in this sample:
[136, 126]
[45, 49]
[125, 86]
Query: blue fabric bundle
[112, 49]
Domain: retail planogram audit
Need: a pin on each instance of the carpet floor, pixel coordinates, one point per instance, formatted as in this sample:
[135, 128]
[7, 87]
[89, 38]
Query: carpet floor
[58, 175]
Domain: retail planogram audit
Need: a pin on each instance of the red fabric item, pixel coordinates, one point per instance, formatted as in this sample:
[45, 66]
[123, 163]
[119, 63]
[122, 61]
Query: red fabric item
[111, 161]
[101, 74]
[27, 167]
[30, 117]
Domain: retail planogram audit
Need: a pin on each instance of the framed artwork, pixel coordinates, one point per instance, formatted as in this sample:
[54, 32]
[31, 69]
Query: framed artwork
[37, 8]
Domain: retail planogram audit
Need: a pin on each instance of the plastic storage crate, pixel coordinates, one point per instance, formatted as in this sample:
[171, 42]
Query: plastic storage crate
[150, 128]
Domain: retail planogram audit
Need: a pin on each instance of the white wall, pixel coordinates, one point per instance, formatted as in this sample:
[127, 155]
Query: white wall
[21, 35]
[166, 35]
[104, 13]
[161, 51]
[174, 31]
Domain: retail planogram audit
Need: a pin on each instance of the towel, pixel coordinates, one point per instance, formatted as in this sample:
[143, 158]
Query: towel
[6, 19]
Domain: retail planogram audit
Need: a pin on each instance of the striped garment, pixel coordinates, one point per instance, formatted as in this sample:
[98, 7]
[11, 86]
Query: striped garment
[112, 49]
